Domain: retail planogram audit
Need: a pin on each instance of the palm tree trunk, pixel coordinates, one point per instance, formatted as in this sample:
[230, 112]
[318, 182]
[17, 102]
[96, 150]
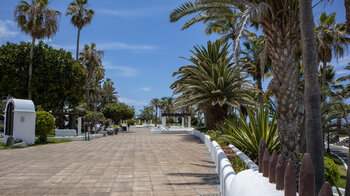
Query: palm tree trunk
[30, 70]
[284, 86]
[215, 115]
[324, 73]
[314, 141]
[347, 10]
[88, 95]
[77, 53]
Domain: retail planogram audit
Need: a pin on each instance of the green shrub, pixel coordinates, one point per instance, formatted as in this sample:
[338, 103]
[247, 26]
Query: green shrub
[1, 128]
[246, 135]
[131, 121]
[45, 123]
[331, 171]
[170, 120]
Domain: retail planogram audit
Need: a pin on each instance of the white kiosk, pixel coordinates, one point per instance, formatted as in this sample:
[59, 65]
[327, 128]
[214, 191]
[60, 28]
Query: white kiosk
[20, 120]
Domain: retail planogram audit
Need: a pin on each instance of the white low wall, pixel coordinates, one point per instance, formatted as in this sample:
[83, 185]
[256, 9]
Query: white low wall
[65, 132]
[246, 183]
[223, 166]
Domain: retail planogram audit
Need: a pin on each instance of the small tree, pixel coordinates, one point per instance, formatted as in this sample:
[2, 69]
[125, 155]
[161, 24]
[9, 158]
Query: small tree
[45, 123]
[118, 112]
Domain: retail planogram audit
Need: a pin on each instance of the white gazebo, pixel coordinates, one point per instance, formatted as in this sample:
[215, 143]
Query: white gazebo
[20, 120]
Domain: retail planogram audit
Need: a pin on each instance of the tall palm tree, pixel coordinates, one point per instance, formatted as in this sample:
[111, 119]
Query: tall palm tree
[331, 39]
[155, 103]
[211, 83]
[39, 21]
[92, 59]
[81, 16]
[109, 92]
[279, 21]
[254, 60]
[314, 134]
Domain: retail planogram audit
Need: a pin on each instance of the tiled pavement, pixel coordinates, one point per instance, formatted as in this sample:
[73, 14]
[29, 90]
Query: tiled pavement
[134, 163]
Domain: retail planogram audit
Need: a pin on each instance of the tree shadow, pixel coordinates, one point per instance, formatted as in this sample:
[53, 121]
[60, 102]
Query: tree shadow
[204, 179]
[191, 138]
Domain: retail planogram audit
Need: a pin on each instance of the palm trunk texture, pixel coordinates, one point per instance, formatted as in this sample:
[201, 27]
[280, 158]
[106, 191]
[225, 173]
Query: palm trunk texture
[314, 141]
[215, 115]
[347, 10]
[284, 84]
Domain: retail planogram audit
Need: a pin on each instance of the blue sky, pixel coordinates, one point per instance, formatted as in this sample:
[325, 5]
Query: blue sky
[142, 48]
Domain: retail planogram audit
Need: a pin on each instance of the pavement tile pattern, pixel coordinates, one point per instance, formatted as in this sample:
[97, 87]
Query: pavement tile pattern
[133, 163]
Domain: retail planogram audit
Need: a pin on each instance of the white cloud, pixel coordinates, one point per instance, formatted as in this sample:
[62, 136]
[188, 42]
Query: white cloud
[122, 71]
[145, 89]
[135, 102]
[124, 46]
[7, 29]
[131, 13]
[112, 46]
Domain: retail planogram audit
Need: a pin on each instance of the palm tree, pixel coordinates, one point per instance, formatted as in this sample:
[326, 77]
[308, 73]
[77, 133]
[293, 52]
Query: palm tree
[331, 39]
[279, 21]
[81, 16]
[92, 59]
[155, 103]
[211, 83]
[254, 60]
[109, 93]
[39, 21]
[313, 127]
[346, 91]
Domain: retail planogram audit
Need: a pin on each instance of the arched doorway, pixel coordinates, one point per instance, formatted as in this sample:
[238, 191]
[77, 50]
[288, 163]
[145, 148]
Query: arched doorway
[9, 119]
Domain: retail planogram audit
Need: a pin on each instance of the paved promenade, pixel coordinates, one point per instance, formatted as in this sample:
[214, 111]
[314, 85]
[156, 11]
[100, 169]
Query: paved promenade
[134, 163]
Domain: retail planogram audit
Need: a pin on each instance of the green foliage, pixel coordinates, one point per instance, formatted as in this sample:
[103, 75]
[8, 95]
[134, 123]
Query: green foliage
[331, 171]
[146, 113]
[238, 165]
[212, 83]
[118, 112]
[246, 135]
[1, 128]
[57, 78]
[95, 117]
[170, 120]
[131, 121]
[45, 123]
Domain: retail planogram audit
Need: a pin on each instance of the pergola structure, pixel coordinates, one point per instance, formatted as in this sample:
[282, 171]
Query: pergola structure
[183, 115]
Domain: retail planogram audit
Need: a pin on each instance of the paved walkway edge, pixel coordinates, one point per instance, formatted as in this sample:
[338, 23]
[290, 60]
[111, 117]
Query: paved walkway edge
[223, 166]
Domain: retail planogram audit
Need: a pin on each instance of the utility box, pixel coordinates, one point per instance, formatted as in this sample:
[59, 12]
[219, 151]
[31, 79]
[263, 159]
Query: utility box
[20, 120]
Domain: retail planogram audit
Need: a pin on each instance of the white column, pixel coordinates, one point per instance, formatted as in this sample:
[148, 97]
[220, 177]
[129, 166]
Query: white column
[183, 122]
[139, 121]
[79, 125]
[189, 121]
[151, 122]
[163, 121]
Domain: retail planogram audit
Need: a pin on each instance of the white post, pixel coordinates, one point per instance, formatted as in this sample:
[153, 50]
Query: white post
[139, 122]
[79, 125]
[163, 121]
[183, 122]
[151, 122]
[189, 121]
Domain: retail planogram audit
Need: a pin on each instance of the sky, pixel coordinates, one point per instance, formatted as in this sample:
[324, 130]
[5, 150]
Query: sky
[142, 48]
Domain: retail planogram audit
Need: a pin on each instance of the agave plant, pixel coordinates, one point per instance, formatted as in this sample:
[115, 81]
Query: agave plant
[245, 134]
